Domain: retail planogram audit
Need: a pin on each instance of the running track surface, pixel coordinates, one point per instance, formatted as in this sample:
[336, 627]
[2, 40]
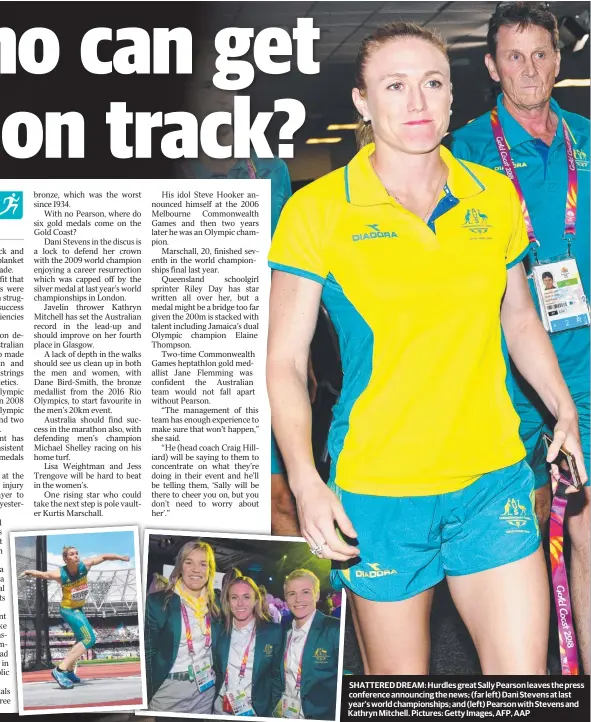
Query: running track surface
[89, 671]
[103, 685]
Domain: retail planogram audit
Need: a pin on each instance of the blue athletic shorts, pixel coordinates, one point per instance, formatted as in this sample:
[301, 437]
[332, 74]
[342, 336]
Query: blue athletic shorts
[78, 622]
[408, 544]
[533, 425]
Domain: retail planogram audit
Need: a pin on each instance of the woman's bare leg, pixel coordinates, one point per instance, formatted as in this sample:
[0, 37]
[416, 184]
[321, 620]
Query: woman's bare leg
[507, 611]
[394, 637]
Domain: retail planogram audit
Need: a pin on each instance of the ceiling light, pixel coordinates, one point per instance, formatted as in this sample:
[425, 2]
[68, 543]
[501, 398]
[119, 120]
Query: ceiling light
[342, 126]
[574, 83]
[319, 141]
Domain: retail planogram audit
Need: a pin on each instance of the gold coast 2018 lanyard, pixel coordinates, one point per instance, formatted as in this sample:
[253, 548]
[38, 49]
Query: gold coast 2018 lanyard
[570, 216]
[561, 297]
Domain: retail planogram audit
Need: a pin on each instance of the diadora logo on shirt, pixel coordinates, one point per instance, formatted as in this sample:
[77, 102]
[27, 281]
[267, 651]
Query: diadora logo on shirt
[516, 515]
[500, 169]
[375, 572]
[374, 232]
[581, 159]
[476, 222]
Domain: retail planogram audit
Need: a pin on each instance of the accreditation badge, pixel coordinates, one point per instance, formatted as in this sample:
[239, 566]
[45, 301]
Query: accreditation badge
[240, 703]
[204, 676]
[562, 301]
[290, 707]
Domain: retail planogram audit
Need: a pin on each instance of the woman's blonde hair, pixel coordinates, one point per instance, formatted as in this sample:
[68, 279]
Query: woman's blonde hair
[380, 36]
[177, 573]
[65, 551]
[259, 613]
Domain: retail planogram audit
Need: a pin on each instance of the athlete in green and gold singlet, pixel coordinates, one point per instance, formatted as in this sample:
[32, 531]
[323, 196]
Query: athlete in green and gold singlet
[73, 577]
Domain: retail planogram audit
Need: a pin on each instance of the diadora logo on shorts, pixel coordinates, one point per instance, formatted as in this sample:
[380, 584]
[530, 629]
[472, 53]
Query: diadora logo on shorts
[476, 222]
[321, 655]
[375, 572]
[516, 515]
[374, 233]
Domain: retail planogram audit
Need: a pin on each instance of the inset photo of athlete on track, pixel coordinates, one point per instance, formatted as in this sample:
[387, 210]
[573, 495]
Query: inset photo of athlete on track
[78, 631]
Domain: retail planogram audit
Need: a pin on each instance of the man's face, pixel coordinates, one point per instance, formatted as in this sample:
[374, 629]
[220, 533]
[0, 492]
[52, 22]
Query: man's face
[526, 65]
[300, 597]
[548, 282]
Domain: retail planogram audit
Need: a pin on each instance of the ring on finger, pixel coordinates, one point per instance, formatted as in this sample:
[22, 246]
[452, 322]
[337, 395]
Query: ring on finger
[317, 550]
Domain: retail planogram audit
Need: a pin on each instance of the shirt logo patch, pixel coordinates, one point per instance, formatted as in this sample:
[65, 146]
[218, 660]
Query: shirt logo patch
[373, 233]
[321, 655]
[375, 572]
[476, 222]
[516, 515]
[268, 650]
[581, 159]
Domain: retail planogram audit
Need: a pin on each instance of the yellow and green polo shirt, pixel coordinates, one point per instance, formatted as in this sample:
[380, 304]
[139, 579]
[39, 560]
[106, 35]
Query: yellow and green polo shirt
[424, 408]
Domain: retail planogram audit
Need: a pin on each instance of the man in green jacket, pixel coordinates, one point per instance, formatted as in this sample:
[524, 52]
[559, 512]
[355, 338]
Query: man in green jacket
[310, 658]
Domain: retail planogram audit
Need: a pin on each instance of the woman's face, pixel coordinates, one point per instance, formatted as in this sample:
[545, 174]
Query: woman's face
[195, 570]
[242, 602]
[408, 95]
[72, 556]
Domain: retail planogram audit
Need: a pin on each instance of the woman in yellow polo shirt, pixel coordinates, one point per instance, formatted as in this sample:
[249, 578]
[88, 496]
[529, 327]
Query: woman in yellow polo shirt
[417, 256]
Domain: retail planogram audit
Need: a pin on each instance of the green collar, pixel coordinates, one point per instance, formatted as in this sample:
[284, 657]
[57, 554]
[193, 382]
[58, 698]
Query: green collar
[515, 133]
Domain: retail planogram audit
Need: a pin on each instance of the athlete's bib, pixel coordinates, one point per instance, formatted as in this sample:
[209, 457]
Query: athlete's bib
[79, 592]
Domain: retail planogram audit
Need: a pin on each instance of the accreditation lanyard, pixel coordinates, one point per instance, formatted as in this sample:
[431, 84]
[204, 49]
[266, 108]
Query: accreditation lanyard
[189, 633]
[242, 670]
[252, 171]
[566, 633]
[285, 662]
[570, 214]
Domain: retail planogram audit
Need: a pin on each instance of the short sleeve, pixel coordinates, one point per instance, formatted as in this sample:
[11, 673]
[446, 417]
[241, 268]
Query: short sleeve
[518, 245]
[297, 242]
[280, 190]
[460, 149]
[465, 145]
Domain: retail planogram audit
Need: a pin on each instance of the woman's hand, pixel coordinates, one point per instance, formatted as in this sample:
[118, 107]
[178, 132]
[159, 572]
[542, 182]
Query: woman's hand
[318, 510]
[566, 433]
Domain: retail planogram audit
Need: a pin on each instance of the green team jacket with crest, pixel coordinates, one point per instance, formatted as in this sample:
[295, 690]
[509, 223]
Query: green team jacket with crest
[318, 692]
[267, 665]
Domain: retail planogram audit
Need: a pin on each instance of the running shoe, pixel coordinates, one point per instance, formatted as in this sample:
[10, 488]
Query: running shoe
[61, 678]
[72, 676]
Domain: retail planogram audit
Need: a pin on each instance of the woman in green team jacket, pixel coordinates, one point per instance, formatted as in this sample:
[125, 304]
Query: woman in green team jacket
[181, 633]
[247, 656]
